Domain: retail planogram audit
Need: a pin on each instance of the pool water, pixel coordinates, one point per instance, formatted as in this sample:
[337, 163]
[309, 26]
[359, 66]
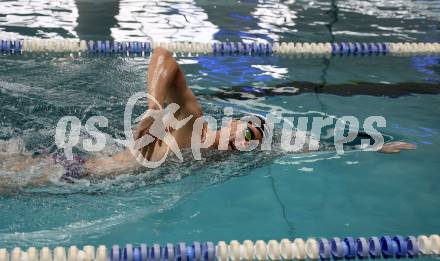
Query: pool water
[249, 196]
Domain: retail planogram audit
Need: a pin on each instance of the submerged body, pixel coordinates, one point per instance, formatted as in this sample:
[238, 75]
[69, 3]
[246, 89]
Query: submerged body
[166, 83]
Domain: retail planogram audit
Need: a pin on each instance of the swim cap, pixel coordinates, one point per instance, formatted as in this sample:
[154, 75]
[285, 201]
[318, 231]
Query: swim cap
[264, 129]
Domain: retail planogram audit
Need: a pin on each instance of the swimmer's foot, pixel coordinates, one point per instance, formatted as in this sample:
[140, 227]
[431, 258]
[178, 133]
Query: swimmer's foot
[396, 147]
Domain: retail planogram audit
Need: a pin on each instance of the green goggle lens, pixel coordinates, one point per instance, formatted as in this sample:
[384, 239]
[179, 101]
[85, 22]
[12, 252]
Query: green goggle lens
[248, 135]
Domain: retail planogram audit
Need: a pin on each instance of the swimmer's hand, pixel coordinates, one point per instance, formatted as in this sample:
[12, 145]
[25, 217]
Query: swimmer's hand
[396, 147]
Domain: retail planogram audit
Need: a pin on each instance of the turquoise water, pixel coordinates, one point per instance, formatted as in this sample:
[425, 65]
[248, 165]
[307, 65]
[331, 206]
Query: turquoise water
[248, 196]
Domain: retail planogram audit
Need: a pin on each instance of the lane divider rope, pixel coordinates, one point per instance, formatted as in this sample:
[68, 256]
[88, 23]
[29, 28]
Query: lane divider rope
[216, 48]
[299, 249]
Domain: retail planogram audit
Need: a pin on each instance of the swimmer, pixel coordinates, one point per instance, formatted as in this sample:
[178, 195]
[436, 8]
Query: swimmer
[166, 83]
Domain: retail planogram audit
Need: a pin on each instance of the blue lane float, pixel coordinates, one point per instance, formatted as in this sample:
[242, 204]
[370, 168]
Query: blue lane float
[412, 247]
[324, 249]
[313, 249]
[394, 247]
[10, 46]
[362, 248]
[346, 49]
[181, 253]
[167, 252]
[105, 47]
[349, 248]
[337, 249]
[374, 246]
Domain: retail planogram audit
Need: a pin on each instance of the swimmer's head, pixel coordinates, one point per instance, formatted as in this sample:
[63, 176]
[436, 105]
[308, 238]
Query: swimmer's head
[241, 131]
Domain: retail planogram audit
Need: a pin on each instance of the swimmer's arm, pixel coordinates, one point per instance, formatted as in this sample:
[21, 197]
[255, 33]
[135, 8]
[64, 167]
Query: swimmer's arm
[166, 82]
[396, 147]
[107, 166]
[388, 147]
